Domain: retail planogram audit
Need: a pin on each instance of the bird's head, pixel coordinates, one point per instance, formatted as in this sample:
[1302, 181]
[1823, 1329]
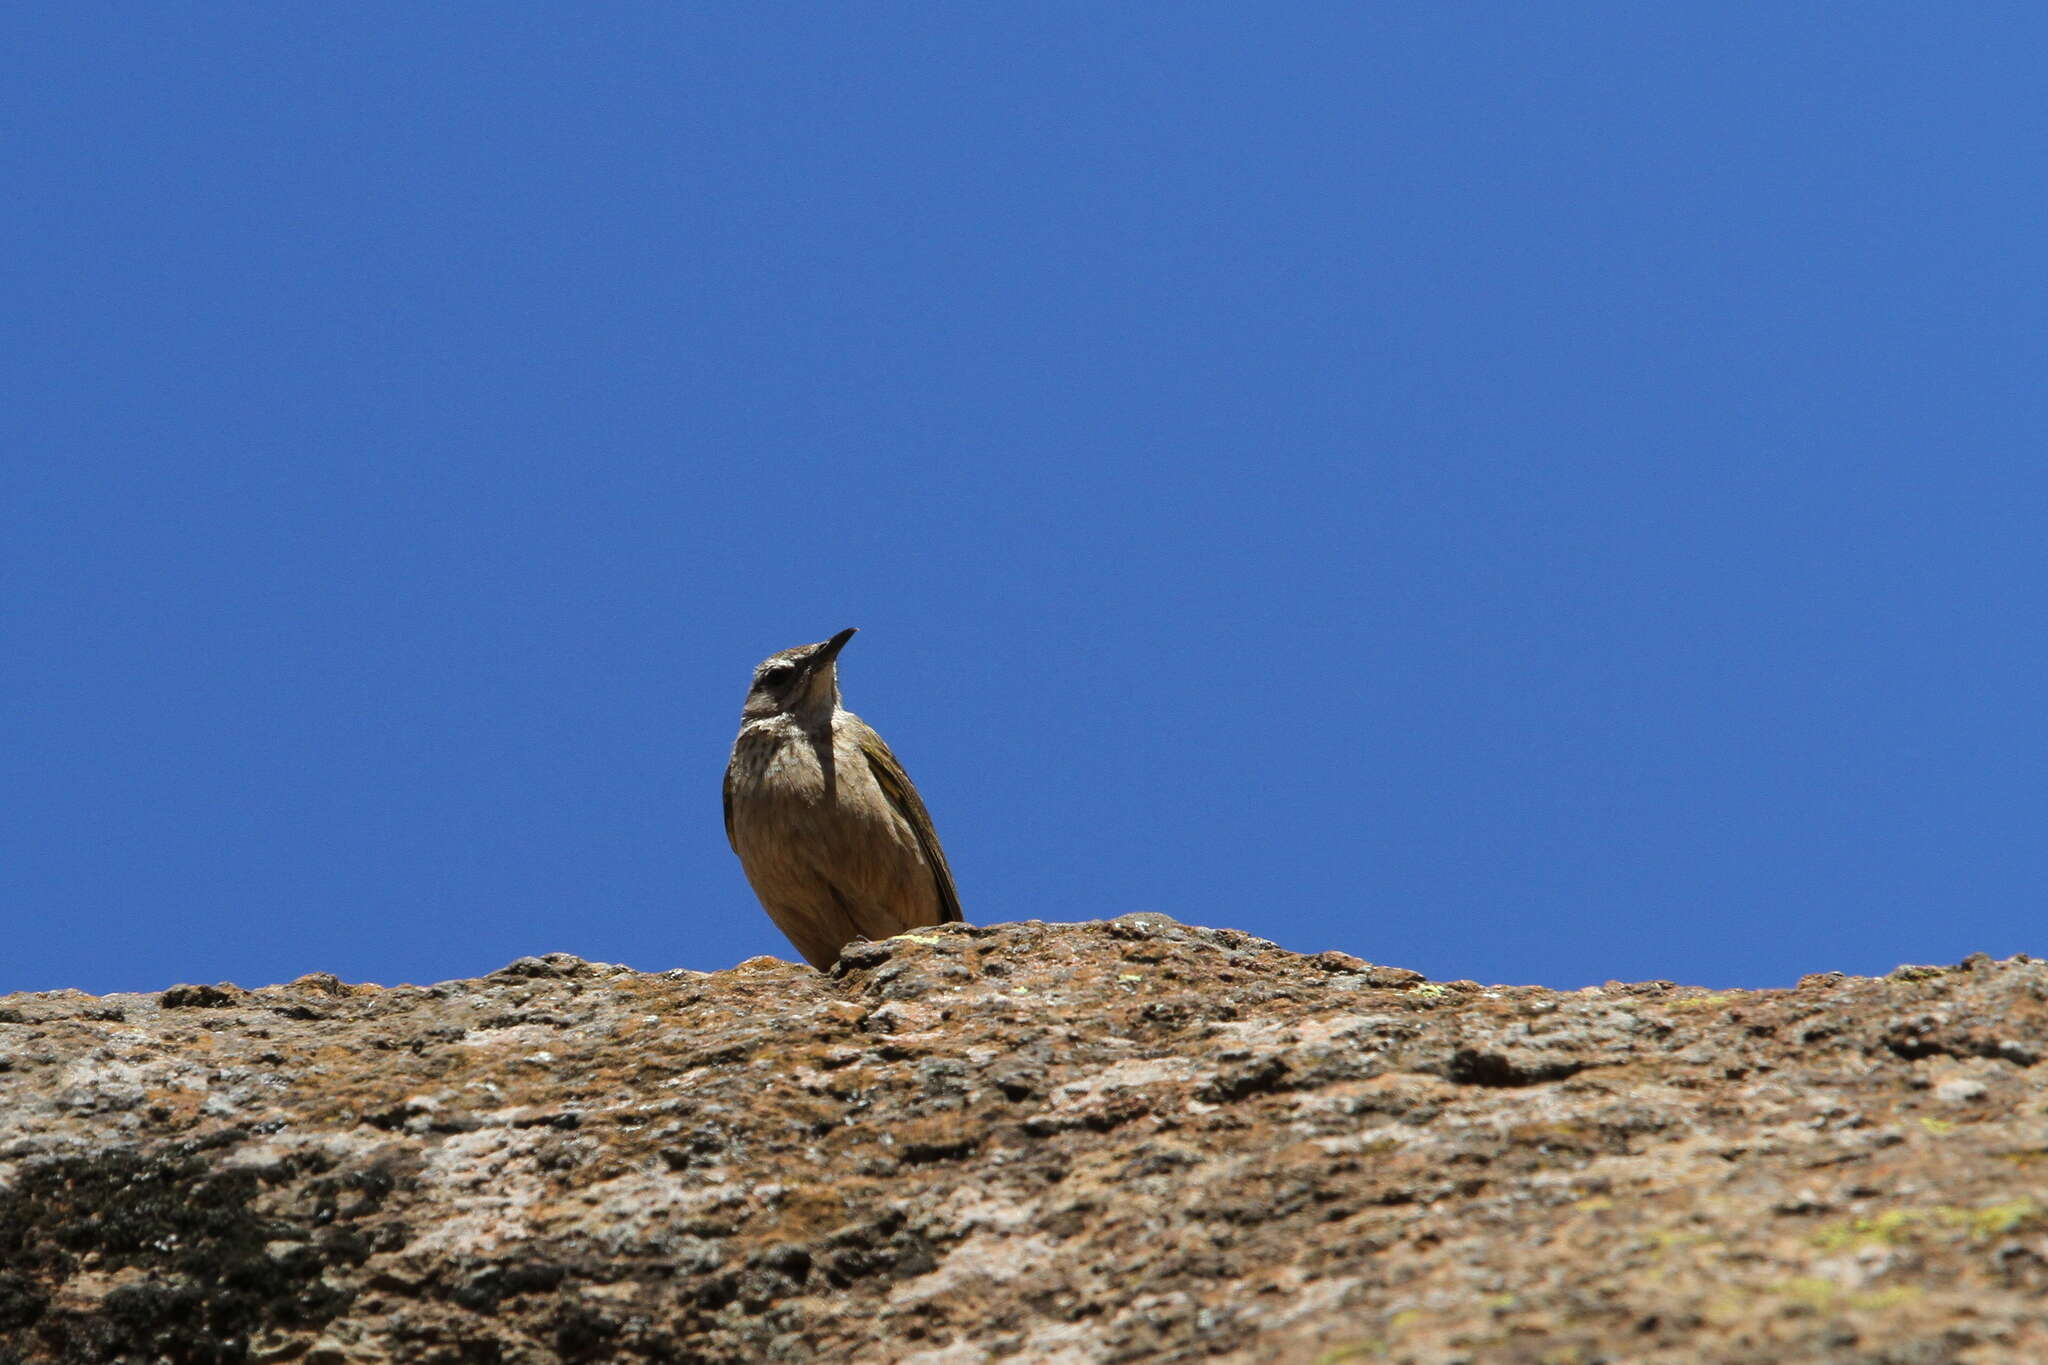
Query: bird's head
[801, 682]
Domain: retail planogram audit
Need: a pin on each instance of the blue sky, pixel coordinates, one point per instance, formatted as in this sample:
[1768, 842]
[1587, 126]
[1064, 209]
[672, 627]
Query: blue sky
[1531, 493]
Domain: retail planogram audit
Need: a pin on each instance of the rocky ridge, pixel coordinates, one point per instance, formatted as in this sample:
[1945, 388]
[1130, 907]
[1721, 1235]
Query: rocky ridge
[1130, 1140]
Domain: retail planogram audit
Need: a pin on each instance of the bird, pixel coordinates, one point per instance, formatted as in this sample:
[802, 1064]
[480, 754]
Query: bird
[834, 839]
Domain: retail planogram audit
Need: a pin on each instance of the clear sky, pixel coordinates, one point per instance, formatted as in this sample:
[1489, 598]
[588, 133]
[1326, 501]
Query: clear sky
[1538, 493]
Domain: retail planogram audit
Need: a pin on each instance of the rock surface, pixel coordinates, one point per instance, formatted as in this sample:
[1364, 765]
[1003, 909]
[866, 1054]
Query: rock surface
[1121, 1141]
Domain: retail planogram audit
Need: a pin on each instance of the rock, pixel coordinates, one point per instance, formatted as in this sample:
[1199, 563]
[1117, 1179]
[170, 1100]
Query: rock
[200, 997]
[1133, 1139]
[564, 966]
[862, 954]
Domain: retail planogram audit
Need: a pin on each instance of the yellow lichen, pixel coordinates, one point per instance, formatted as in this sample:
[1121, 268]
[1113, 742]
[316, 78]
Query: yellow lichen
[1825, 1296]
[1667, 1239]
[1881, 1229]
[1895, 1226]
[1715, 1001]
[1993, 1220]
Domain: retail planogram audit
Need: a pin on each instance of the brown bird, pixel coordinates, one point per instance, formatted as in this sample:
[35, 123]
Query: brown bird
[832, 835]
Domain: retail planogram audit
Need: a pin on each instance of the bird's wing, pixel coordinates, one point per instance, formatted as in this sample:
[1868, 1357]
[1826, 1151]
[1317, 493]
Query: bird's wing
[728, 810]
[895, 785]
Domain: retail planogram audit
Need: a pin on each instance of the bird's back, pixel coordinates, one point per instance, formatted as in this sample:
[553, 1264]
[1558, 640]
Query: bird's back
[833, 836]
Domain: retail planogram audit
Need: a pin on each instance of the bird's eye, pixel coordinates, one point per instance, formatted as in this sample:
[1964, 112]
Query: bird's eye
[778, 675]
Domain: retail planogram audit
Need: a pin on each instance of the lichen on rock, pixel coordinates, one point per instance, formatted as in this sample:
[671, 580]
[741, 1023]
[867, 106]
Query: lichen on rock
[1129, 1140]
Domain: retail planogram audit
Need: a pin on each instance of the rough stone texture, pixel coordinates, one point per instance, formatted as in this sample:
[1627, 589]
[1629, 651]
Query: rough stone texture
[1119, 1141]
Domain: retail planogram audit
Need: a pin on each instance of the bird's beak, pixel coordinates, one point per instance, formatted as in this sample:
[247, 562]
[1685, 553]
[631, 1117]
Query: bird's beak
[829, 651]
